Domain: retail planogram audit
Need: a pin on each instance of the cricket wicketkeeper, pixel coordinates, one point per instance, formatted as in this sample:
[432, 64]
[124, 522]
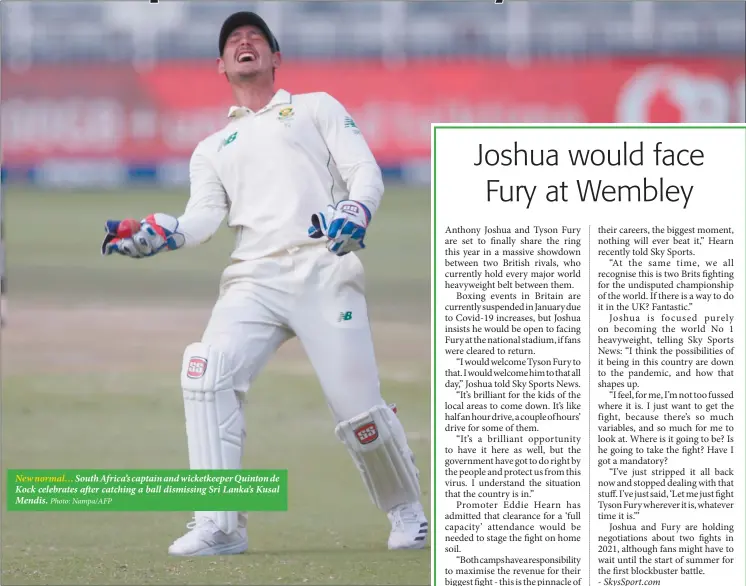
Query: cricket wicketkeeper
[300, 187]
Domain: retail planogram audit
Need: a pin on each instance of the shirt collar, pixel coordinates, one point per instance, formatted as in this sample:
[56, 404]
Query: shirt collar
[280, 97]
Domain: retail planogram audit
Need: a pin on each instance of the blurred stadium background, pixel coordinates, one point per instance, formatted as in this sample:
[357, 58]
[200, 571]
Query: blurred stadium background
[102, 104]
[134, 85]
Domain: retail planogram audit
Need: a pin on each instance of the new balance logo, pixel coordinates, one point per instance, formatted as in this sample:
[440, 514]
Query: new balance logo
[350, 123]
[345, 316]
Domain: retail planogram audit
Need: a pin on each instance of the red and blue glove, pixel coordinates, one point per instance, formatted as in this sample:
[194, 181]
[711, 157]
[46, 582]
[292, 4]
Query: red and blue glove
[157, 232]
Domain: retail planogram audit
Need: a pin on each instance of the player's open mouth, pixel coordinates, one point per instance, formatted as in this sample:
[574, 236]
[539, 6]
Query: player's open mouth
[246, 56]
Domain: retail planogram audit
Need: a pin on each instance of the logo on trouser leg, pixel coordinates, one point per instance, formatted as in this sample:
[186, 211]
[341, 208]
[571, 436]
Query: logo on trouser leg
[367, 433]
[196, 367]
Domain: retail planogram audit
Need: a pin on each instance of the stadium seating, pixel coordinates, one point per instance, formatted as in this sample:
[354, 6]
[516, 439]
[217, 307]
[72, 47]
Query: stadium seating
[317, 28]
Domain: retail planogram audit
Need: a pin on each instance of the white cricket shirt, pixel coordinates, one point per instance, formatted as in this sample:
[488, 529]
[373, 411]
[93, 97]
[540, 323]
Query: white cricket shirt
[270, 170]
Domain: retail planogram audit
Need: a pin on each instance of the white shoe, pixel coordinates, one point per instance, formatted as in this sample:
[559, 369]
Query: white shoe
[408, 527]
[204, 538]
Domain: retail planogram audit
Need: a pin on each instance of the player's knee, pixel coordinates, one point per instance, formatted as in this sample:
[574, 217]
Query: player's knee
[206, 368]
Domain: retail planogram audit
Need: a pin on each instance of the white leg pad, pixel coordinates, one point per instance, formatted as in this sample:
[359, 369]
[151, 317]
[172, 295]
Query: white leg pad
[378, 446]
[214, 419]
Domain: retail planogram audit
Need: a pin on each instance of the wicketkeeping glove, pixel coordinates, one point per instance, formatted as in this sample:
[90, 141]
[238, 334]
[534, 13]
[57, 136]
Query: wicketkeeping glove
[158, 232]
[344, 225]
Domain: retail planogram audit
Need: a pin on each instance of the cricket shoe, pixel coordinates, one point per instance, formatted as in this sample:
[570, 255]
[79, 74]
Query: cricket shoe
[408, 527]
[204, 538]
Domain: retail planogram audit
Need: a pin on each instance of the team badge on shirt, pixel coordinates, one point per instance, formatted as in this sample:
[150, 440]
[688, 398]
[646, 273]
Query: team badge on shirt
[286, 113]
[286, 116]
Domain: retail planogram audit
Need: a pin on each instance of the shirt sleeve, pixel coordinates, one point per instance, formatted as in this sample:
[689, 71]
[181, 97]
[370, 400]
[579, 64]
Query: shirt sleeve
[208, 202]
[350, 152]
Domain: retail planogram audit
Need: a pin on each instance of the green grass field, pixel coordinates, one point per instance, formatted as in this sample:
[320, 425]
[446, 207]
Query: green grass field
[90, 370]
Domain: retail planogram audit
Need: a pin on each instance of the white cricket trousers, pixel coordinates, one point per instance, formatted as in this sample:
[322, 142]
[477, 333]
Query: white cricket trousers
[309, 293]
